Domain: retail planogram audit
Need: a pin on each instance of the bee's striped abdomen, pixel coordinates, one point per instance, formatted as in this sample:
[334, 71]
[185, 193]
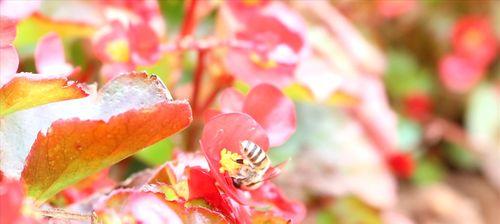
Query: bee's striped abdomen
[255, 155]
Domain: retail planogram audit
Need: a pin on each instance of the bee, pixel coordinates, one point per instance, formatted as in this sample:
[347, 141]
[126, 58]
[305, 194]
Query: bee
[255, 163]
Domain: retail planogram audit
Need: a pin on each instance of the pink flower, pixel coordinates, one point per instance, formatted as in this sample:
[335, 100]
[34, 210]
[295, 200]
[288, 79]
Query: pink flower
[418, 106]
[12, 201]
[459, 74]
[49, 54]
[473, 37]
[277, 39]
[121, 47]
[227, 131]
[246, 10]
[268, 106]
[392, 9]
[203, 186]
[401, 164]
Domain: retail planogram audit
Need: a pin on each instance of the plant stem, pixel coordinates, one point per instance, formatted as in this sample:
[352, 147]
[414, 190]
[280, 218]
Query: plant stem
[67, 215]
[190, 19]
[210, 99]
[197, 78]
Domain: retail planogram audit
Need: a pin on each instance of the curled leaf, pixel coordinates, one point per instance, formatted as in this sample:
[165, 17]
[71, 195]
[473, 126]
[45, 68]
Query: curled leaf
[70, 140]
[28, 90]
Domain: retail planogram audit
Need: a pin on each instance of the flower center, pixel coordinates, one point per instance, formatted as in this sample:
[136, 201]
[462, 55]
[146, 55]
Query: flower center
[259, 61]
[473, 38]
[251, 2]
[118, 50]
[228, 162]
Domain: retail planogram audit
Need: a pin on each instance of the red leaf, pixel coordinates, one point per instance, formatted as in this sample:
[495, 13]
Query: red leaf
[74, 139]
[30, 90]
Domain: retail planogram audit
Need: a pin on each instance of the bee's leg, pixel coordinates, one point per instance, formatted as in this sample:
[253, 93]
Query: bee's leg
[236, 182]
[240, 161]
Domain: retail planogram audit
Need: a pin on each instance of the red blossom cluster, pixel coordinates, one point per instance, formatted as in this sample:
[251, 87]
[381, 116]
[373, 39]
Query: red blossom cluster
[475, 46]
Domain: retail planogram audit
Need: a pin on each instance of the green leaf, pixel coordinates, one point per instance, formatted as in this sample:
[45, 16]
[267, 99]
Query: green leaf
[428, 171]
[404, 75]
[173, 13]
[460, 157]
[351, 210]
[325, 217]
[156, 154]
[409, 134]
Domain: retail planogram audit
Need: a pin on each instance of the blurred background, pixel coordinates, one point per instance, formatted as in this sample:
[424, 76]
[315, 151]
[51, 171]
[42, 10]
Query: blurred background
[398, 101]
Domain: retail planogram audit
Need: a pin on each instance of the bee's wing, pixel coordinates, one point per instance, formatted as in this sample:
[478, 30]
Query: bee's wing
[274, 171]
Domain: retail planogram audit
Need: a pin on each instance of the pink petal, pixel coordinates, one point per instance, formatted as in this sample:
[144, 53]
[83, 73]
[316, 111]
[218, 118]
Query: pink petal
[49, 56]
[114, 31]
[19, 9]
[11, 200]
[144, 44]
[9, 61]
[228, 131]
[474, 37]
[239, 64]
[459, 74]
[209, 114]
[273, 111]
[231, 100]
[7, 31]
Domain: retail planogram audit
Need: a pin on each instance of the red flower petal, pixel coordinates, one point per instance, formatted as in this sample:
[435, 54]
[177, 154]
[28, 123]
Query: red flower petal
[49, 56]
[278, 43]
[474, 37]
[209, 114]
[269, 194]
[418, 106]
[7, 31]
[392, 9]
[459, 74]
[401, 164]
[273, 111]
[246, 10]
[202, 185]
[144, 44]
[11, 200]
[228, 131]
